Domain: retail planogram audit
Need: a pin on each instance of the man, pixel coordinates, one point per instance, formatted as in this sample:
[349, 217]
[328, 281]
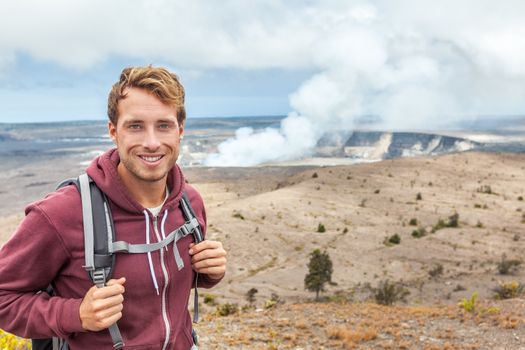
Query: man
[148, 295]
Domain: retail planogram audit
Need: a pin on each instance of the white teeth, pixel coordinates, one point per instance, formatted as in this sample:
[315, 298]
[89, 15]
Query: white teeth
[151, 159]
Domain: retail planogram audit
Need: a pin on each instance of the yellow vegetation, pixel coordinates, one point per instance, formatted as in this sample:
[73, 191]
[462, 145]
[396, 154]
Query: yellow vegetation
[12, 342]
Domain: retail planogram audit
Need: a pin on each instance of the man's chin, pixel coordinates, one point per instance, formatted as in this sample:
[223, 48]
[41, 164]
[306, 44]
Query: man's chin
[150, 176]
[153, 179]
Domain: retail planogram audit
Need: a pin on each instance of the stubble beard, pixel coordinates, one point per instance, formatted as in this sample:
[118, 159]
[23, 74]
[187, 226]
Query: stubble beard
[143, 175]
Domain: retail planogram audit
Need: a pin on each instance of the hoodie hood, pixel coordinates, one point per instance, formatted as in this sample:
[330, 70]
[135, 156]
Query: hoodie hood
[103, 170]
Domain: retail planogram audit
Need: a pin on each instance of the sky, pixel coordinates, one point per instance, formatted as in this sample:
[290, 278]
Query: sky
[325, 64]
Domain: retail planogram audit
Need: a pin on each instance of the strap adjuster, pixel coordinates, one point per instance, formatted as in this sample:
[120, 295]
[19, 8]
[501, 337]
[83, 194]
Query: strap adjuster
[185, 230]
[99, 277]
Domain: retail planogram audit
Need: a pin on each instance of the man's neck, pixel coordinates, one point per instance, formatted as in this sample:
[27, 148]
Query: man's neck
[148, 194]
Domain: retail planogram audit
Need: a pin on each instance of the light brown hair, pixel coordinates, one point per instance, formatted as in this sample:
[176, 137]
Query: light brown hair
[156, 80]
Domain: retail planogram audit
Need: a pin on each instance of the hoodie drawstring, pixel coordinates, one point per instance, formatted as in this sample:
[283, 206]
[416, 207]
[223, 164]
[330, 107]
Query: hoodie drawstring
[152, 271]
[162, 226]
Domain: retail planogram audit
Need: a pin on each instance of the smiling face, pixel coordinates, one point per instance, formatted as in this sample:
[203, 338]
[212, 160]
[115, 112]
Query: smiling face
[147, 136]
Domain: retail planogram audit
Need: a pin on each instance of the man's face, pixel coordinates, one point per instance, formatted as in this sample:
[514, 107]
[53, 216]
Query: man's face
[147, 136]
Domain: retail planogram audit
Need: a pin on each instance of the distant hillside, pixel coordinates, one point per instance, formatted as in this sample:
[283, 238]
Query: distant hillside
[377, 145]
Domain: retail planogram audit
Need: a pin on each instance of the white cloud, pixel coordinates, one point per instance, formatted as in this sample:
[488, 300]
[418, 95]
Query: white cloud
[416, 63]
[258, 33]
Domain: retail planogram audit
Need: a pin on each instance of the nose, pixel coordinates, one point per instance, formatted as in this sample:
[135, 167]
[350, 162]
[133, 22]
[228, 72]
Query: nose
[151, 140]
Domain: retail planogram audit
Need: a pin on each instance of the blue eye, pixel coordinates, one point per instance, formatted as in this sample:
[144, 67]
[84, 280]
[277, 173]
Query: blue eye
[164, 126]
[135, 126]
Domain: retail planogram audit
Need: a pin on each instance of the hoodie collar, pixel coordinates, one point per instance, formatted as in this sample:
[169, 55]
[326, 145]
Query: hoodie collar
[103, 170]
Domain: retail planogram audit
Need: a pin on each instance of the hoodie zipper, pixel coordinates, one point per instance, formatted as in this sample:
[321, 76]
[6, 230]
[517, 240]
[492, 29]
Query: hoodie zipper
[164, 288]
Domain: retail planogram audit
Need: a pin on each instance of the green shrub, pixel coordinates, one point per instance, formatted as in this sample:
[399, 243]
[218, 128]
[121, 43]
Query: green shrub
[419, 196]
[413, 222]
[453, 221]
[388, 293]
[227, 309]
[485, 189]
[209, 299]
[250, 295]
[459, 288]
[508, 290]
[420, 232]
[238, 216]
[508, 266]
[314, 175]
[321, 228]
[273, 301]
[436, 271]
[469, 305]
[392, 240]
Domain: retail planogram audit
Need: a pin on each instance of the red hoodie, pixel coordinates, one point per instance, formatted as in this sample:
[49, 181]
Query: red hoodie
[48, 247]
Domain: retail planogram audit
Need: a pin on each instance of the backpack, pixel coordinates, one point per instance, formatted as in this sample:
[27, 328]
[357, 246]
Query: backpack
[101, 248]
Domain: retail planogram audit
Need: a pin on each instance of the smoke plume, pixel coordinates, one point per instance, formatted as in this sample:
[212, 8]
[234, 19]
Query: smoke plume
[417, 65]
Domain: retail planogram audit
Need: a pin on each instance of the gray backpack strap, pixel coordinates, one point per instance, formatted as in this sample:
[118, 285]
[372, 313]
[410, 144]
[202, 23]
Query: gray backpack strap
[87, 222]
[183, 231]
[189, 215]
[60, 344]
[98, 235]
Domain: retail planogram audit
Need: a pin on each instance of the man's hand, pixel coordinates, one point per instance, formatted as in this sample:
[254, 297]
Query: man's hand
[209, 257]
[102, 307]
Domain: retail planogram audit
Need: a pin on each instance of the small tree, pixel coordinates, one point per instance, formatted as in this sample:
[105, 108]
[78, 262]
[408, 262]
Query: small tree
[250, 295]
[319, 272]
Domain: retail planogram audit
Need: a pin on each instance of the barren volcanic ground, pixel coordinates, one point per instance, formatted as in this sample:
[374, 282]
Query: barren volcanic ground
[268, 219]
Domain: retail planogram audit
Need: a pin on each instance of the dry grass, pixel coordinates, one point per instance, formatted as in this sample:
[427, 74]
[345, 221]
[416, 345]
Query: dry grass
[366, 326]
[350, 338]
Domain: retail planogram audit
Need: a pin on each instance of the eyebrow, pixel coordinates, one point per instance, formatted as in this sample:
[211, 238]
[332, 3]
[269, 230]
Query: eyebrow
[133, 121]
[169, 121]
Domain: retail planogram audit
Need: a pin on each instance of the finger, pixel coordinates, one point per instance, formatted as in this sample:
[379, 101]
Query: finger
[102, 304]
[108, 291]
[113, 281]
[110, 311]
[107, 322]
[207, 263]
[208, 254]
[197, 248]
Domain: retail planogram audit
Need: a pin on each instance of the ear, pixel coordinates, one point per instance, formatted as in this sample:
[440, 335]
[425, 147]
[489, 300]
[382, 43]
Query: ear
[181, 130]
[112, 130]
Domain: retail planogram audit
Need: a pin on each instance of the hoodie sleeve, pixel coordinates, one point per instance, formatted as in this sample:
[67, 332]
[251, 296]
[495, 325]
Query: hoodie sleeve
[29, 262]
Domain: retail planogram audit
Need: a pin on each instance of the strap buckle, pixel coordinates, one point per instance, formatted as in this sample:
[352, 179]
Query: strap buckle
[185, 230]
[99, 277]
